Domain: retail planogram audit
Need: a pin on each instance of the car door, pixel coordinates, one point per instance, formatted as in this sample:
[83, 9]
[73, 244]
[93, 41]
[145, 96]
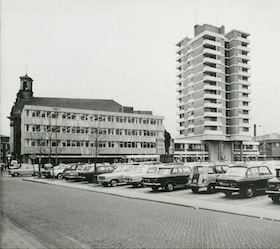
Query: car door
[253, 178]
[265, 175]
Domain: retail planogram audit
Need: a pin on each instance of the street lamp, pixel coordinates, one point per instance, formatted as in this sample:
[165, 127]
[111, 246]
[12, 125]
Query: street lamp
[201, 145]
[264, 147]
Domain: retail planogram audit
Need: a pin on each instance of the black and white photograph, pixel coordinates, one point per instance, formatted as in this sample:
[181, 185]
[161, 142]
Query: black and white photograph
[149, 124]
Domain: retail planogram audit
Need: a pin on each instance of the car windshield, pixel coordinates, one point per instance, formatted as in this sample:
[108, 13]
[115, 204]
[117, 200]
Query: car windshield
[87, 168]
[152, 170]
[141, 170]
[236, 171]
[198, 169]
[80, 167]
[164, 171]
[119, 169]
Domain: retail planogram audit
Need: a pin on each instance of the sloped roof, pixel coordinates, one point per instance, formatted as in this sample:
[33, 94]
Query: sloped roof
[84, 104]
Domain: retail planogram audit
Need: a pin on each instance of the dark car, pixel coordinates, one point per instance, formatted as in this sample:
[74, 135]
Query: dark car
[168, 177]
[245, 179]
[91, 174]
[274, 187]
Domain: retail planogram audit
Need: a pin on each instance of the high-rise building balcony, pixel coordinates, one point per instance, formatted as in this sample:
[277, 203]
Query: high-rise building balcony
[180, 104]
[244, 48]
[244, 73]
[245, 57]
[211, 51]
[244, 82]
[212, 123]
[247, 116]
[180, 88]
[212, 132]
[247, 108]
[212, 96]
[243, 40]
[179, 64]
[212, 87]
[245, 65]
[211, 78]
[212, 69]
[244, 90]
[180, 112]
[212, 114]
[180, 80]
[211, 60]
[212, 105]
[211, 42]
[245, 99]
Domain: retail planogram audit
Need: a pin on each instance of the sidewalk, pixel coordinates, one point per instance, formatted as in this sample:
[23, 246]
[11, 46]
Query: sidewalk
[14, 237]
[256, 212]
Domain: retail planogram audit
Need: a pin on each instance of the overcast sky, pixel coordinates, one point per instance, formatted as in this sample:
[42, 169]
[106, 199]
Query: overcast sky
[125, 50]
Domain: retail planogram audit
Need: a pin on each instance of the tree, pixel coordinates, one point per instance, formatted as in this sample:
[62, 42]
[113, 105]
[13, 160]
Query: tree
[167, 139]
[97, 139]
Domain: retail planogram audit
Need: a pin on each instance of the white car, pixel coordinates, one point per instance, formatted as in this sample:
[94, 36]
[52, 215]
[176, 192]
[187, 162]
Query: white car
[136, 178]
[58, 170]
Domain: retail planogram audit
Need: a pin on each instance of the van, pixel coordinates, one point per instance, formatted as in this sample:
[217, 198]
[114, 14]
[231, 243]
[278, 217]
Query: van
[205, 175]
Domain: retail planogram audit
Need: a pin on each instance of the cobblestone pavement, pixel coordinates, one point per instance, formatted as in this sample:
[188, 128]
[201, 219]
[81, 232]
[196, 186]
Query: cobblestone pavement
[72, 218]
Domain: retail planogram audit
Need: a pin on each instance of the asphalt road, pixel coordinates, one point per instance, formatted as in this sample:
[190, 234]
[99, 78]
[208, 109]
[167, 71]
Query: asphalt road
[70, 218]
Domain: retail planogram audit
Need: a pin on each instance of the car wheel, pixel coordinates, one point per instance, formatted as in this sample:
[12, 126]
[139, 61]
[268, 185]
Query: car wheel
[16, 174]
[60, 176]
[211, 188]
[249, 192]
[114, 183]
[195, 190]
[155, 188]
[275, 198]
[135, 185]
[228, 193]
[169, 187]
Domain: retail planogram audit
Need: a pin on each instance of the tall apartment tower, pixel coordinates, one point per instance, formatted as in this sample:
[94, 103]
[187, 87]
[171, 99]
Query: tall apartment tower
[213, 89]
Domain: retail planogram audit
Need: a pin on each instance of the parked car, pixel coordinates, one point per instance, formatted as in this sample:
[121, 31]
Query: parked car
[136, 178]
[168, 177]
[90, 174]
[24, 170]
[74, 170]
[114, 178]
[14, 164]
[204, 176]
[57, 171]
[274, 187]
[245, 179]
[69, 167]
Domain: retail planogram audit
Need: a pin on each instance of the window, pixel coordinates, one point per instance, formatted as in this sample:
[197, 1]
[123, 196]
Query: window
[264, 171]
[210, 171]
[253, 172]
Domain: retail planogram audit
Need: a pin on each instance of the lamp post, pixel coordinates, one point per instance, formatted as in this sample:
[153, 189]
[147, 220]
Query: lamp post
[264, 147]
[201, 145]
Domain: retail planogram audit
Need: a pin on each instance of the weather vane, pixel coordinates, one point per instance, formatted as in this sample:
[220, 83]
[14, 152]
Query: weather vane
[26, 69]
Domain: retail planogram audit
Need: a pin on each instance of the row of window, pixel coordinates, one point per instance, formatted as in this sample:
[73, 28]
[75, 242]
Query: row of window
[88, 130]
[87, 144]
[87, 117]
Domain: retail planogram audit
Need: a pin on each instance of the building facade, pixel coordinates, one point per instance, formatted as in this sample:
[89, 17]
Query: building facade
[213, 90]
[5, 149]
[79, 129]
[269, 146]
